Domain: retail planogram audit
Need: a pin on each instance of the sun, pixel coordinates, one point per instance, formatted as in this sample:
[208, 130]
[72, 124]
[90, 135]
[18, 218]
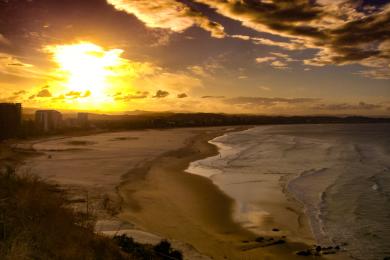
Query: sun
[91, 77]
[86, 67]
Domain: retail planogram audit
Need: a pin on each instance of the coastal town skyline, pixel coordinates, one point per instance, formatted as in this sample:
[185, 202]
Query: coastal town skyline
[258, 57]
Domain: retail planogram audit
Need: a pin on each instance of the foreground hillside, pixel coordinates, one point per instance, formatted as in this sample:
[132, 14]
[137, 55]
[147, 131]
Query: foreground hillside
[38, 222]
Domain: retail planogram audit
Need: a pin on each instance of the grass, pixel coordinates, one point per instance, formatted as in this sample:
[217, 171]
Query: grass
[36, 222]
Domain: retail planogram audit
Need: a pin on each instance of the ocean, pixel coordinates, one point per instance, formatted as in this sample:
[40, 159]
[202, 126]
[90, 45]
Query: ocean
[339, 174]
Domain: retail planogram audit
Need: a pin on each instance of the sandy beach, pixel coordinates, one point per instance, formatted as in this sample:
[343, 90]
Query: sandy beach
[178, 205]
[147, 170]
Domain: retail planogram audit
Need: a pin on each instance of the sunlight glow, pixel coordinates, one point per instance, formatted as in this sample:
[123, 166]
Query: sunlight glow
[90, 77]
[86, 67]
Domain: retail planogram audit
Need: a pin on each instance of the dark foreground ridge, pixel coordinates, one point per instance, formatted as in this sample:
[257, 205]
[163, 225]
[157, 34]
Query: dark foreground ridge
[37, 222]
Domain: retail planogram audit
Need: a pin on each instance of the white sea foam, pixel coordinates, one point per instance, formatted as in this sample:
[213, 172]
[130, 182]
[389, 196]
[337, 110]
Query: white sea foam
[337, 172]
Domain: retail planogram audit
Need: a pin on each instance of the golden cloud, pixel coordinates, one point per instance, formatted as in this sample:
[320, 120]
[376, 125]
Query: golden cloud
[168, 14]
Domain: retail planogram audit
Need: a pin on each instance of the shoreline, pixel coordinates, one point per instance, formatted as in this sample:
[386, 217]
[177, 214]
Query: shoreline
[159, 199]
[171, 202]
[300, 231]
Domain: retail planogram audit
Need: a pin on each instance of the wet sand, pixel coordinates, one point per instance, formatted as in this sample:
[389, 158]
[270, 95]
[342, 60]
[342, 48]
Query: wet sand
[167, 201]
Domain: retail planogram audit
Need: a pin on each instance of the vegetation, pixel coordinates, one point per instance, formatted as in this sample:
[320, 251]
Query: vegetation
[169, 120]
[36, 222]
[163, 250]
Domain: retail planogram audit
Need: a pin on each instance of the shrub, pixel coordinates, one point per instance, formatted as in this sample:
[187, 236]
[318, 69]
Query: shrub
[36, 222]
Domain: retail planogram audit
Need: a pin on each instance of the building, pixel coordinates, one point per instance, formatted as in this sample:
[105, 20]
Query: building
[48, 120]
[82, 119]
[10, 119]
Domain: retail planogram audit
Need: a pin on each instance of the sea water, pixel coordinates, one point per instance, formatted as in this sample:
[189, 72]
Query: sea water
[339, 173]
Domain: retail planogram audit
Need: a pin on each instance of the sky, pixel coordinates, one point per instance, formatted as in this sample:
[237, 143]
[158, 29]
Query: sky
[286, 57]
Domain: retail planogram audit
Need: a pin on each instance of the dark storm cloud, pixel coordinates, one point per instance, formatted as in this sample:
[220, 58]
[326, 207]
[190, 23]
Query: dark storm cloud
[341, 31]
[161, 94]
[263, 101]
[346, 106]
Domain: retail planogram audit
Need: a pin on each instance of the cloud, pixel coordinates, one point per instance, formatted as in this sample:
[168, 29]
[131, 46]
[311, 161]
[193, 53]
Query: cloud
[126, 80]
[14, 66]
[129, 97]
[44, 93]
[168, 14]
[263, 101]
[73, 94]
[264, 59]
[178, 82]
[59, 97]
[198, 70]
[78, 94]
[218, 97]
[379, 73]
[342, 31]
[161, 94]
[282, 56]
[279, 65]
[16, 96]
[20, 92]
[182, 95]
[163, 37]
[4, 40]
[289, 45]
[277, 61]
[87, 93]
[346, 106]
[264, 88]
[208, 67]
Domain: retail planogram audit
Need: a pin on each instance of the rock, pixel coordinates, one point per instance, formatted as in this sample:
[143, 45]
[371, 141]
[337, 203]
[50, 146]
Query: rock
[337, 247]
[304, 253]
[280, 241]
[245, 241]
[329, 253]
[318, 248]
[259, 239]
[275, 229]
